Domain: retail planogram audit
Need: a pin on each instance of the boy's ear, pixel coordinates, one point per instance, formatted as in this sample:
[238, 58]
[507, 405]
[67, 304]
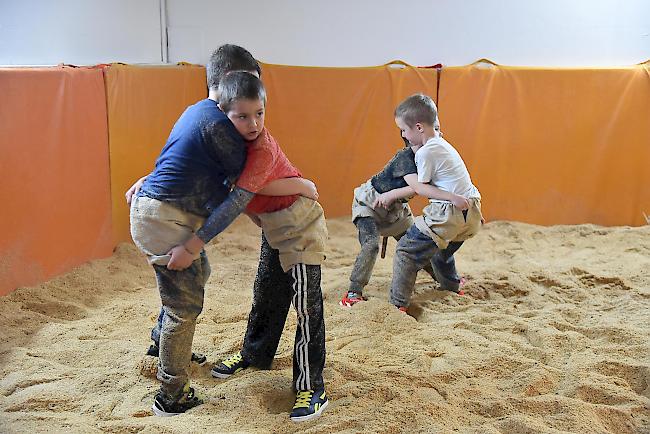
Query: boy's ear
[418, 126]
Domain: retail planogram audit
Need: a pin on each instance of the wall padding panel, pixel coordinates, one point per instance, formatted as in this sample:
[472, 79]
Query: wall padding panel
[56, 211]
[337, 125]
[143, 105]
[553, 146]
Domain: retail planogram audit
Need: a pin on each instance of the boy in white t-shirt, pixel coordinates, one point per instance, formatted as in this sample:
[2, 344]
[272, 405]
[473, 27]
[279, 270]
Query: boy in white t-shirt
[454, 211]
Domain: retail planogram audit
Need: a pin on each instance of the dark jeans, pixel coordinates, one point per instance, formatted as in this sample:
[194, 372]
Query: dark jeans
[415, 251]
[155, 331]
[181, 294]
[367, 257]
[273, 292]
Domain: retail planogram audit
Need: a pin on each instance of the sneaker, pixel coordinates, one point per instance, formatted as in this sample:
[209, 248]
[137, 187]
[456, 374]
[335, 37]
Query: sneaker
[197, 358]
[351, 298]
[402, 308]
[230, 366]
[163, 406]
[309, 405]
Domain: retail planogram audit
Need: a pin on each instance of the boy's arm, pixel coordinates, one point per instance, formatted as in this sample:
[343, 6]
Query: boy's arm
[428, 190]
[290, 186]
[386, 199]
[219, 219]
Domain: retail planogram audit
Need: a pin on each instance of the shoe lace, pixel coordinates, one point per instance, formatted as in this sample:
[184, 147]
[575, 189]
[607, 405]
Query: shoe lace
[303, 399]
[233, 360]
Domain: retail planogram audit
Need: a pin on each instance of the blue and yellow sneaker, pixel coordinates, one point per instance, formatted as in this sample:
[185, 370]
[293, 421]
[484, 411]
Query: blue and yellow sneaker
[309, 405]
[230, 366]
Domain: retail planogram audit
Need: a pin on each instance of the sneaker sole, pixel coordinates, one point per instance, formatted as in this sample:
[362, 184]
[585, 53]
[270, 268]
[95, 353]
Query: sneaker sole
[162, 413]
[310, 416]
[217, 374]
[220, 375]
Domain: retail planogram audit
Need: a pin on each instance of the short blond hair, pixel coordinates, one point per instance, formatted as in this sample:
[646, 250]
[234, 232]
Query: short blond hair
[418, 108]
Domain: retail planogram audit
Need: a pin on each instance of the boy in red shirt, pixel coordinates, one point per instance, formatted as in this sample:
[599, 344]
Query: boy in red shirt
[293, 248]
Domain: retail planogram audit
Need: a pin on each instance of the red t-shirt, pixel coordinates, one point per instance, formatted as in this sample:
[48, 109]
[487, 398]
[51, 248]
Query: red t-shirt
[265, 162]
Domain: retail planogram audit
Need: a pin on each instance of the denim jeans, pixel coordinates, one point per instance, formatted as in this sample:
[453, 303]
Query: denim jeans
[155, 331]
[414, 252]
[181, 294]
[367, 257]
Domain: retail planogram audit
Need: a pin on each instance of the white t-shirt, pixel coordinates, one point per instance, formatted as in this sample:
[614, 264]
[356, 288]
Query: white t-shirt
[440, 165]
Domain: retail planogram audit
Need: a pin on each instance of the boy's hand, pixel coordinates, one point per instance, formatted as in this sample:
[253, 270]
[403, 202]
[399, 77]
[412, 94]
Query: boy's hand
[181, 258]
[134, 190]
[310, 190]
[384, 200]
[459, 202]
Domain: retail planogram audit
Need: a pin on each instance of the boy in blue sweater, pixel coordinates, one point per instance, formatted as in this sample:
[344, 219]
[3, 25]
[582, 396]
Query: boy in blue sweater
[185, 202]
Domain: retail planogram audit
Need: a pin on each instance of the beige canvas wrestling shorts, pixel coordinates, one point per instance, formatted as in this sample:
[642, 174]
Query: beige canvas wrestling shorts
[299, 233]
[390, 222]
[156, 227]
[443, 222]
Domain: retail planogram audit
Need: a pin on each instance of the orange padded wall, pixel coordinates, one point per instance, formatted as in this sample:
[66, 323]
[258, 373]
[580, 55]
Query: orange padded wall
[336, 124]
[54, 192]
[143, 105]
[545, 146]
[553, 146]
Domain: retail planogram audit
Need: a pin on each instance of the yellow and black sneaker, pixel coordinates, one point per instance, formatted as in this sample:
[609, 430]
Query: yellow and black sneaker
[164, 406]
[309, 405]
[230, 366]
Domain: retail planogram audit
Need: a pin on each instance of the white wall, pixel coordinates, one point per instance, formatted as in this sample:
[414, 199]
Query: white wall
[79, 32]
[420, 32]
[330, 32]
